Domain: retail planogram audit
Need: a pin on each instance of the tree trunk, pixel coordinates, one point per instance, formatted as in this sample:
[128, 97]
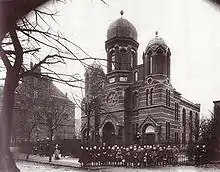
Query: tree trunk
[28, 146]
[13, 10]
[50, 146]
[7, 163]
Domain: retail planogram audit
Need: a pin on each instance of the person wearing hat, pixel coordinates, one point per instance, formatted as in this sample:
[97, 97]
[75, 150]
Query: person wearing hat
[104, 155]
[169, 155]
[204, 155]
[197, 155]
[175, 151]
[57, 153]
[81, 161]
[160, 156]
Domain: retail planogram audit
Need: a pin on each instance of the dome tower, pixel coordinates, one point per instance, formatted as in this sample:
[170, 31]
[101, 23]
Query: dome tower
[121, 46]
[157, 58]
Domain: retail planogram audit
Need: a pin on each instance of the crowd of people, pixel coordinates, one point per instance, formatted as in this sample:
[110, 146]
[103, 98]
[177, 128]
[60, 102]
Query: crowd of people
[200, 154]
[132, 156]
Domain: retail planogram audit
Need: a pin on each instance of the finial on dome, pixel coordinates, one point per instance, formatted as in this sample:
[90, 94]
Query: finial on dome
[156, 33]
[121, 12]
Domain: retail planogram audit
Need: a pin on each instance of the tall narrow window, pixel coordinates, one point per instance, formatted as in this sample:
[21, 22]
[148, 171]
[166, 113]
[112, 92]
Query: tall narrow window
[132, 61]
[176, 137]
[151, 65]
[167, 131]
[136, 76]
[147, 95]
[190, 126]
[113, 62]
[167, 97]
[184, 138]
[184, 117]
[151, 96]
[119, 64]
[176, 111]
[184, 126]
[196, 126]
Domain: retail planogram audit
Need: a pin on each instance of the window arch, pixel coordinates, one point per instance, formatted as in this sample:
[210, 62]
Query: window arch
[147, 97]
[132, 61]
[113, 62]
[149, 53]
[151, 64]
[151, 96]
[160, 51]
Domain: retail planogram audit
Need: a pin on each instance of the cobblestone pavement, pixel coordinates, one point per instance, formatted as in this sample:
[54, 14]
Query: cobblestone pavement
[38, 167]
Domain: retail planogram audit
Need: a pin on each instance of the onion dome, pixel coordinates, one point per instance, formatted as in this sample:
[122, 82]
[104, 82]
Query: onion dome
[121, 28]
[156, 42]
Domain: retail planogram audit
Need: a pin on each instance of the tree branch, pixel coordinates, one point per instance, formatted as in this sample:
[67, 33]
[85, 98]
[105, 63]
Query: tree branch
[5, 60]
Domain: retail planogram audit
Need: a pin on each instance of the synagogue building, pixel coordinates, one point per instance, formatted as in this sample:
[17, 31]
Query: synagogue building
[138, 104]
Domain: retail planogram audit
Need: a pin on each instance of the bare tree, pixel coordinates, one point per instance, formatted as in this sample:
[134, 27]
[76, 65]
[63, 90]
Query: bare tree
[22, 37]
[53, 114]
[91, 104]
[25, 39]
[14, 10]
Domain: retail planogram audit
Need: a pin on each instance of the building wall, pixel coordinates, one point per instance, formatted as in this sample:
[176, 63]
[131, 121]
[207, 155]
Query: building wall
[126, 102]
[39, 90]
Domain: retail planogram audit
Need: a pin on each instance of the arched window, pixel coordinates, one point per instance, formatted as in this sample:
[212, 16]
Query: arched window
[113, 62]
[147, 97]
[132, 61]
[136, 76]
[184, 117]
[176, 111]
[151, 65]
[167, 131]
[184, 126]
[167, 97]
[190, 126]
[149, 129]
[151, 96]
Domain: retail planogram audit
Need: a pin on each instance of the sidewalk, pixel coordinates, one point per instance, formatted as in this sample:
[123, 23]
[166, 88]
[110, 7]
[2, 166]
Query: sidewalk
[67, 161]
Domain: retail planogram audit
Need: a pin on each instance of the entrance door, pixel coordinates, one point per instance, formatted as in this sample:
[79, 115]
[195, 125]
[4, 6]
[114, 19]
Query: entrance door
[108, 134]
[148, 135]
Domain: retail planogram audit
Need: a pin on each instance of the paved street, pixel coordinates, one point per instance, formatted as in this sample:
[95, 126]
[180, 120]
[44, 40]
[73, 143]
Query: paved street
[38, 167]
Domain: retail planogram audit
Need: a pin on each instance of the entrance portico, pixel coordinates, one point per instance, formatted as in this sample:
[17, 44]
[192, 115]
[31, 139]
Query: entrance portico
[149, 131]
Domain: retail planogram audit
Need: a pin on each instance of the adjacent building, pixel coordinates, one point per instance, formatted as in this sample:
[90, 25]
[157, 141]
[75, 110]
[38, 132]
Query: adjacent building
[139, 103]
[33, 96]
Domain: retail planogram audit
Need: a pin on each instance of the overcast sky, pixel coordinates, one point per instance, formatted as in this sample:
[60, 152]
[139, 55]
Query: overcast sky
[189, 27]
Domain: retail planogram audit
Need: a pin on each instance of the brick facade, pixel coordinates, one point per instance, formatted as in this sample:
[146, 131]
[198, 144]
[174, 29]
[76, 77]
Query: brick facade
[140, 99]
[39, 89]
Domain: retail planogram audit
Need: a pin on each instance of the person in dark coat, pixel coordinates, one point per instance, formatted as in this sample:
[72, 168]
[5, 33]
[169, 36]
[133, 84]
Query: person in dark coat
[197, 155]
